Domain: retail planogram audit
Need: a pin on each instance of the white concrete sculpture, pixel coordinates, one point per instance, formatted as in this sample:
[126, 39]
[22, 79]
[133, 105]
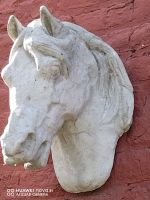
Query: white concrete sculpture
[69, 93]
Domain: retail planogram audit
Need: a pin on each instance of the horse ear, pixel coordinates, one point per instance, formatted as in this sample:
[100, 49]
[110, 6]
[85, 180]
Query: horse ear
[51, 24]
[14, 27]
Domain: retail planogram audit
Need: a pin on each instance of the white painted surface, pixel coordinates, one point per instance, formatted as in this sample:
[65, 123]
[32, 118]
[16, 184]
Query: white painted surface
[69, 92]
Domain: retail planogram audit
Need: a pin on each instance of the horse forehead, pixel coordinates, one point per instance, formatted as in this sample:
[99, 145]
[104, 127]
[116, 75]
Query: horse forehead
[35, 35]
[35, 30]
[35, 23]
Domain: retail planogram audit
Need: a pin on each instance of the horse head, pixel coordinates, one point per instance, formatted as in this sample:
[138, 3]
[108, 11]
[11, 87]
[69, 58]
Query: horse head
[64, 82]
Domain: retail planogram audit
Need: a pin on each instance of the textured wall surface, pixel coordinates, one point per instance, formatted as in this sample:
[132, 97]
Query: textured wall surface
[125, 25]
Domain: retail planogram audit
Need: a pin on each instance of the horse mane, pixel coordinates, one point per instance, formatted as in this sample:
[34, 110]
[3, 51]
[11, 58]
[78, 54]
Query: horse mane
[113, 83]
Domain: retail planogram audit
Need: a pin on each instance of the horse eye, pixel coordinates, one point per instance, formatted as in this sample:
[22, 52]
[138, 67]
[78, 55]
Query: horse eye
[54, 72]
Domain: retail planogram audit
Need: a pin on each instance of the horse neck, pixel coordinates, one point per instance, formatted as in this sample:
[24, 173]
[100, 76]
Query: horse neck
[91, 120]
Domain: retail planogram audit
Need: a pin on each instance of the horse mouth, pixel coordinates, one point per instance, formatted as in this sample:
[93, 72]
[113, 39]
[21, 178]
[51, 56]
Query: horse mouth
[39, 160]
[15, 160]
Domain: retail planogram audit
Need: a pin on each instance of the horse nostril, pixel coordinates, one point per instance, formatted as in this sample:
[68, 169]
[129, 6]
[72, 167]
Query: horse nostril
[29, 142]
[44, 144]
[30, 136]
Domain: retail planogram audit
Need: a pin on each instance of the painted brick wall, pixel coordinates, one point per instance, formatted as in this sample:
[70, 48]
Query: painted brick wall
[125, 25]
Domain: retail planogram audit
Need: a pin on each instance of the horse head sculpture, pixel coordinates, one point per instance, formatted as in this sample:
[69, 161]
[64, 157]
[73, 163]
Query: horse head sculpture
[69, 94]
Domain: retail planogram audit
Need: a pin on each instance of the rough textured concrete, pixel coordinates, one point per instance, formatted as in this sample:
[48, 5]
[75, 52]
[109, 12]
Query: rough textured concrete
[125, 25]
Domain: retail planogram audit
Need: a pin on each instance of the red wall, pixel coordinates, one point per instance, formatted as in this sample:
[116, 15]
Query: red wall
[124, 24]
